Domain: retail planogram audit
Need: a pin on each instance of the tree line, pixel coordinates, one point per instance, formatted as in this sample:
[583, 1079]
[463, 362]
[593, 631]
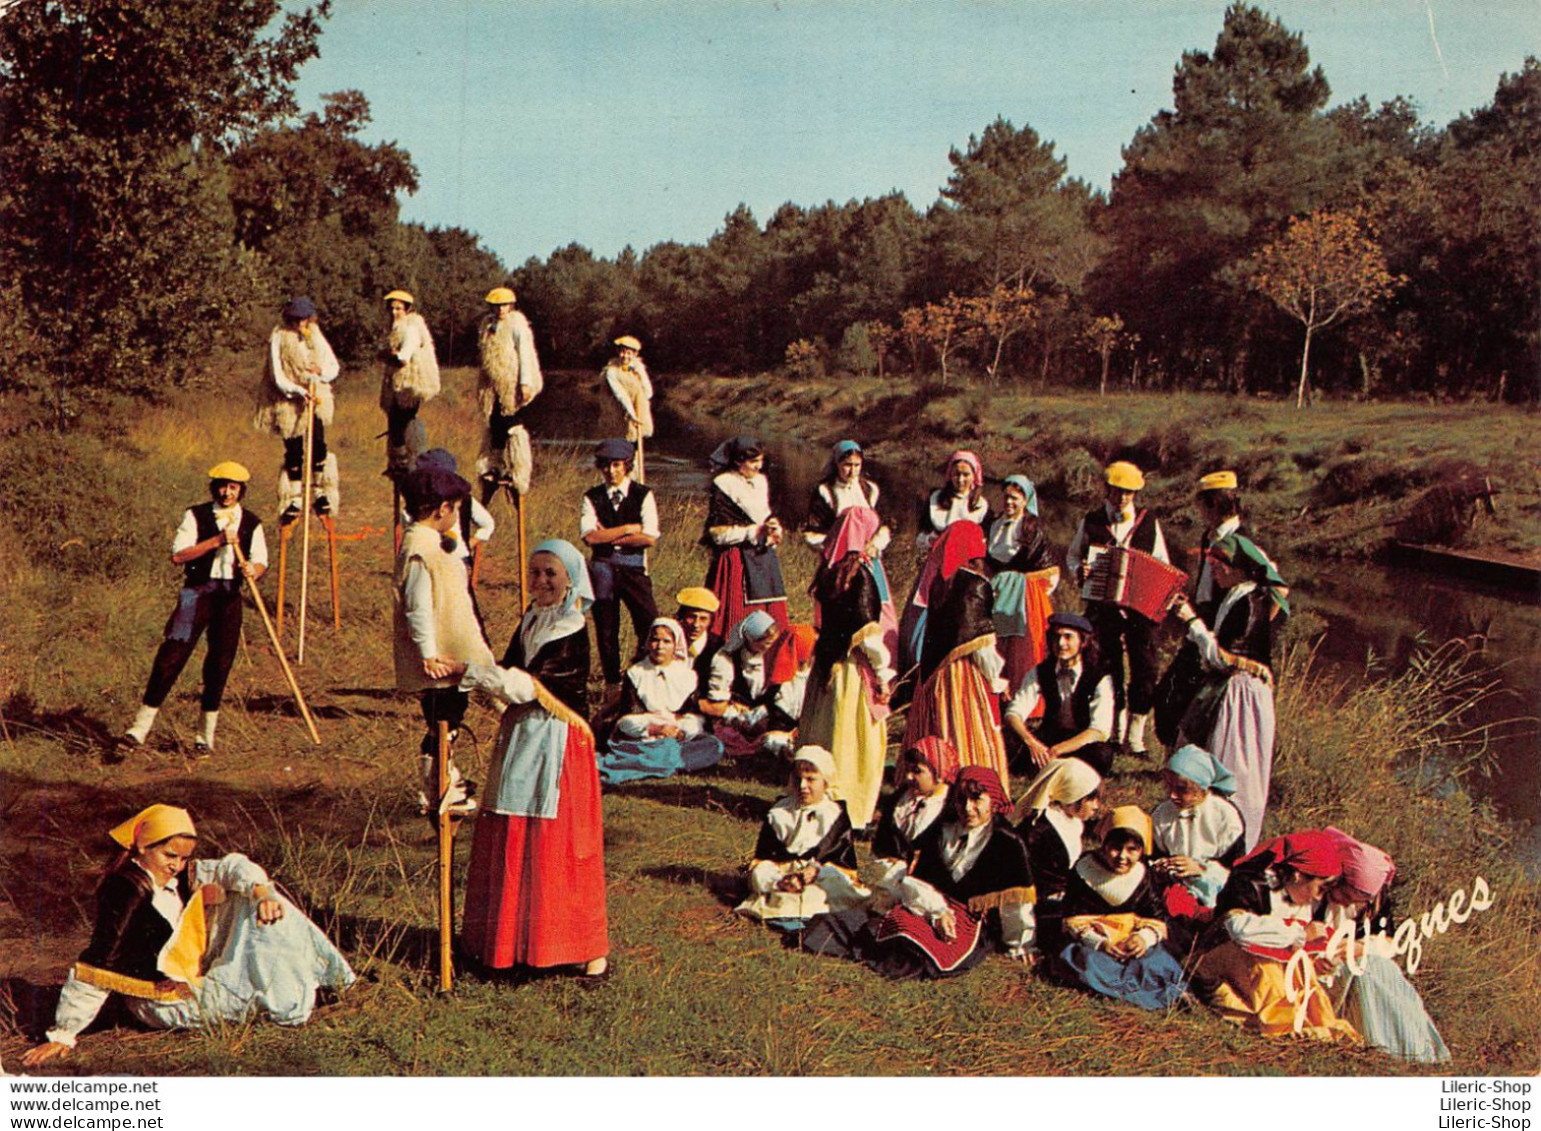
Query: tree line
[164, 193]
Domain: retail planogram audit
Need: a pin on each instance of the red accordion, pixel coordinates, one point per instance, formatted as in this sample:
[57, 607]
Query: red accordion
[1131, 579]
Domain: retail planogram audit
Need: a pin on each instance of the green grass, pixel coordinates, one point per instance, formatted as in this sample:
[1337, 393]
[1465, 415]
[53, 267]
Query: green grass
[696, 990]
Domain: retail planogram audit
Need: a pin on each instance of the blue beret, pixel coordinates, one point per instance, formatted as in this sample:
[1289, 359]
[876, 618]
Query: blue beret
[608, 451]
[299, 307]
[1072, 620]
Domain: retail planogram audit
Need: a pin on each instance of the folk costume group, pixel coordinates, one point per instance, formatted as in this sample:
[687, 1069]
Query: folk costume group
[1186, 903]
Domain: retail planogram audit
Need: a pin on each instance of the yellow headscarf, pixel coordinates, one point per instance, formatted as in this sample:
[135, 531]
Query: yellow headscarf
[1130, 817]
[1066, 780]
[153, 825]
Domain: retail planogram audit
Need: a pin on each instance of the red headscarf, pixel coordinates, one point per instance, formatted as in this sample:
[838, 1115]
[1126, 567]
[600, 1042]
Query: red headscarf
[789, 652]
[1366, 869]
[937, 753]
[958, 545]
[1310, 852]
[986, 777]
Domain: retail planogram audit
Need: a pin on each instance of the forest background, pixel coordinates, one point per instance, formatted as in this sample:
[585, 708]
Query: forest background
[163, 194]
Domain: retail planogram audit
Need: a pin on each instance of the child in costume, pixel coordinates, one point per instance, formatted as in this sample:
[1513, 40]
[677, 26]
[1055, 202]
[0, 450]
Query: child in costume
[298, 357]
[659, 732]
[210, 600]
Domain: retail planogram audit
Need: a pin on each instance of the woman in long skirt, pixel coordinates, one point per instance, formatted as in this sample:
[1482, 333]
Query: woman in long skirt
[742, 532]
[847, 703]
[535, 887]
[960, 670]
[1023, 574]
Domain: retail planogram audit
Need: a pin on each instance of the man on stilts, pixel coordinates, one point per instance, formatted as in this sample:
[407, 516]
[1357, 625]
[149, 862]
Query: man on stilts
[626, 378]
[300, 369]
[410, 380]
[509, 378]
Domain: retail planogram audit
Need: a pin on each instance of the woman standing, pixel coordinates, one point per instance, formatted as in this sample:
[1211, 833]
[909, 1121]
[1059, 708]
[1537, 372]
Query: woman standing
[535, 887]
[162, 918]
[847, 702]
[742, 533]
[961, 497]
[1023, 575]
[843, 488]
[1232, 715]
[960, 670]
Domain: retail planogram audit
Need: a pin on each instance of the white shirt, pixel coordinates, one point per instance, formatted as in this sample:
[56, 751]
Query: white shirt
[961, 848]
[1029, 695]
[1202, 635]
[223, 568]
[944, 516]
[1284, 926]
[841, 498]
[800, 831]
[752, 497]
[588, 517]
[1121, 525]
[1201, 833]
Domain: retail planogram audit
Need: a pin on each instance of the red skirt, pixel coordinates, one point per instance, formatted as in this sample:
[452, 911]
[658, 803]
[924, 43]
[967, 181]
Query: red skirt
[725, 578]
[535, 889]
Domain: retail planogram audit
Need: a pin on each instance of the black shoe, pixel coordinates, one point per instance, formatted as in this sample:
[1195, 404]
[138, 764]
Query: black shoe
[290, 516]
[322, 506]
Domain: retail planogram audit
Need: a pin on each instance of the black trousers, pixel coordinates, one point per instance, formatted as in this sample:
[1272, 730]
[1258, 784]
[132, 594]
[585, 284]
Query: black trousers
[634, 589]
[294, 452]
[498, 428]
[396, 421]
[441, 704]
[1121, 633]
[216, 610]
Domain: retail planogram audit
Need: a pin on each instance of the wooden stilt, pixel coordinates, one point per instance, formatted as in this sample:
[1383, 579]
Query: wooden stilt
[524, 577]
[331, 546]
[446, 838]
[285, 532]
[305, 507]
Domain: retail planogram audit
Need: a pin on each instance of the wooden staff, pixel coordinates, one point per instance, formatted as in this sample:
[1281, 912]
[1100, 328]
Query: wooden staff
[309, 479]
[396, 515]
[285, 532]
[641, 469]
[278, 648]
[476, 562]
[446, 836]
[523, 564]
[331, 546]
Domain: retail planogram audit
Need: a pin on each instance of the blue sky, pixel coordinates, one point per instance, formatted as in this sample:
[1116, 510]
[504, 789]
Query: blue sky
[536, 123]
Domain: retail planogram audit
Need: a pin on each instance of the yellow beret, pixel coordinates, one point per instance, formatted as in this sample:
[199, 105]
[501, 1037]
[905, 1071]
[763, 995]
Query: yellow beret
[230, 470]
[500, 296]
[1125, 476]
[404, 296]
[1218, 481]
[153, 825]
[627, 342]
[697, 597]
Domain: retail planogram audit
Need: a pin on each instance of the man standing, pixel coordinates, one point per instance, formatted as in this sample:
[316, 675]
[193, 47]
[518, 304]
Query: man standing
[619, 522]
[300, 369]
[210, 599]
[626, 378]
[1120, 632]
[509, 379]
[410, 380]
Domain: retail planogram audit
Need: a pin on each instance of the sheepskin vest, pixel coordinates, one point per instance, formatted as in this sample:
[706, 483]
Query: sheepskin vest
[455, 623]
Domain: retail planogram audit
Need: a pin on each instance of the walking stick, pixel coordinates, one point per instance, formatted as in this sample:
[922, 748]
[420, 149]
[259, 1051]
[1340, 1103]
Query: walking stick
[309, 480]
[476, 563]
[278, 648]
[285, 532]
[331, 546]
[641, 467]
[523, 579]
[446, 836]
[396, 515]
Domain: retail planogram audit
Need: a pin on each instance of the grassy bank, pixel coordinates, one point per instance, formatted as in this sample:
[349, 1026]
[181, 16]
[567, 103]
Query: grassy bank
[1331, 480]
[83, 547]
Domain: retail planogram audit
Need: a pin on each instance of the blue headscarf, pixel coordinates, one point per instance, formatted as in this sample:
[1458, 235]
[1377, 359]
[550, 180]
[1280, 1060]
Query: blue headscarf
[1201, 768]
[752, 627]
[580, 594]
[1025, 485]
[838, 453]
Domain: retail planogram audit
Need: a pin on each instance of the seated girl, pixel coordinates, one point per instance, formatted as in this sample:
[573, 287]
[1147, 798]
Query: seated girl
[1198, 832]
[1023, 574]
[658, 732]
[739, 692]
[1270, 909]
[918, 801]
[1371, 990]
[968, 893]
[805, 860]
[788, 666]
[1054, 811]
[191, 943]
[1114, 919]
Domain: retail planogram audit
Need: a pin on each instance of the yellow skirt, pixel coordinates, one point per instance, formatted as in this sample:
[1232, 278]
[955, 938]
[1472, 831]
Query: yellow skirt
[1252, 992]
